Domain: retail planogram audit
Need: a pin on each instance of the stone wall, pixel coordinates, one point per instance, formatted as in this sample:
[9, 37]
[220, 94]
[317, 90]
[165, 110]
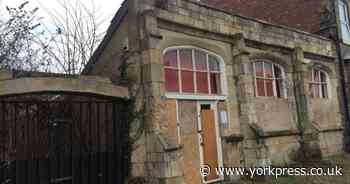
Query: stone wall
[109, 61]
[331, 143]
[260, 131]
[282, 150]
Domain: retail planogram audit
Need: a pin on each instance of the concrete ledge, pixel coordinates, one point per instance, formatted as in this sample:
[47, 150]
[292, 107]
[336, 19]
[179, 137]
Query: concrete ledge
[280, 133]
[167, 145]
[232, 138]
[331, 129]
[272, 133]
[66, 85]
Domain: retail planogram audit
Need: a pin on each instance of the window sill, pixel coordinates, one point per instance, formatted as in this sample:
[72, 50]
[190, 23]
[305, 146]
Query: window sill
[319, 99]
[194, 96]
[271, 98]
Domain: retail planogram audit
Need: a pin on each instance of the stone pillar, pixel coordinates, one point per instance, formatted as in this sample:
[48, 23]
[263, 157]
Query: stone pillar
[132, 72]
[162, 156]
[309, 142]
[154, 159]
[254, 151]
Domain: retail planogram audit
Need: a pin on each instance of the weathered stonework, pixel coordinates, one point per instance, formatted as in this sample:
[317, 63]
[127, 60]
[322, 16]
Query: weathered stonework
[84, 85]
[260, 131]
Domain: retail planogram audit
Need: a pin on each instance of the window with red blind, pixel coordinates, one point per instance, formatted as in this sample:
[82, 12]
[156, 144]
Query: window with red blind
[318, 84]
[192, 71]
[268, 79]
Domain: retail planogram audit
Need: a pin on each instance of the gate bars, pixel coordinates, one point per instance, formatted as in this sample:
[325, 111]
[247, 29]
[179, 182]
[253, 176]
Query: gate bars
[73, 142]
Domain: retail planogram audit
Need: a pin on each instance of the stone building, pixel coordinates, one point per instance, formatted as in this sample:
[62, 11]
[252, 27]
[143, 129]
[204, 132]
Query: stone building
[215, 88]
[329, 18]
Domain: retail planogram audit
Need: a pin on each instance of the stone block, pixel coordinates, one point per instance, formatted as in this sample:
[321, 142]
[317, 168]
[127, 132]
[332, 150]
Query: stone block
[138, 154]
[5, 75]
[138, 169]
[152, 56]
[153, 73]
[95, 78]
[155, 89]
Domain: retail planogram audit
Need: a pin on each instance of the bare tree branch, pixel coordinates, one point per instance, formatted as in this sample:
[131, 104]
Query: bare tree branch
[78, 32]
[19, 40]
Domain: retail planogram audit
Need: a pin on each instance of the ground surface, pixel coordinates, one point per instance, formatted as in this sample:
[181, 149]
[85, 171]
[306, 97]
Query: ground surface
[342, 161]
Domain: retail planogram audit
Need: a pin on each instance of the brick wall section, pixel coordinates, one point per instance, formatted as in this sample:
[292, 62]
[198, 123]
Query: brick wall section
[189, 13]
[300, 14]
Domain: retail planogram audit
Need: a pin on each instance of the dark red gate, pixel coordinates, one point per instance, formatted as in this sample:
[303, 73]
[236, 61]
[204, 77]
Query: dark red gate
[63, 139]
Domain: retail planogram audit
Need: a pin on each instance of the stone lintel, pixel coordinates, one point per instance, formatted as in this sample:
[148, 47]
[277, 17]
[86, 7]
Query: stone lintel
[66, 85]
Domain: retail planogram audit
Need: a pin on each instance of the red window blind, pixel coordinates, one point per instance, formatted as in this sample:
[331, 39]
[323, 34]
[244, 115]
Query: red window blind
[192, 71]
[172, 80]
[170, 59]
[186, 59]
[187, 81]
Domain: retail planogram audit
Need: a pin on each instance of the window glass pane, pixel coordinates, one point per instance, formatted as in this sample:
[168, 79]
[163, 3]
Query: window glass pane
[309, 76]
[324, 91]
[269, 87]
[345, 33]
[323, 77]
[311, 90]
[268, 70]
[316, 90]
[278, 72]
[344, 20]
[202, 82]
[187, 81]
[171, 80]
[260, 87]
[213, 64]
[201, 61]
[316, 76]
[279, 87]
[259, 69]
[343, 11]
[170, 58]
[186, 59]
[215, 83]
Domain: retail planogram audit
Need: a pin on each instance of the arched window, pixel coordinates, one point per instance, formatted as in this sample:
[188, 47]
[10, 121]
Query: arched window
[318, 83]
[268, 79]
[193, 71]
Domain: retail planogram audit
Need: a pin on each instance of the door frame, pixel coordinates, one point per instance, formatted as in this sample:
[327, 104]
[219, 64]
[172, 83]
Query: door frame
[213, 106]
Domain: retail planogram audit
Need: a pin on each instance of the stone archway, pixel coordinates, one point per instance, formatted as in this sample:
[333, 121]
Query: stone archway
[94, 85]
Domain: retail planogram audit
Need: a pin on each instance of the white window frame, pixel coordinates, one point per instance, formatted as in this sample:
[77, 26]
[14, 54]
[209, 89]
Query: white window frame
[198, 96]
[344, 6]
[344, 20]
[274, 79]
[320, 84]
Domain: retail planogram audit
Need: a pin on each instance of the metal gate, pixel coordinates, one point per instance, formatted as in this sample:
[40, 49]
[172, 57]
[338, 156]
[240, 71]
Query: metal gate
[63, 141]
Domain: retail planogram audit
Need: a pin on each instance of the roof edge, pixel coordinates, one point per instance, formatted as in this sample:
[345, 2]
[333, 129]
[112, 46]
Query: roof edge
[114, 25]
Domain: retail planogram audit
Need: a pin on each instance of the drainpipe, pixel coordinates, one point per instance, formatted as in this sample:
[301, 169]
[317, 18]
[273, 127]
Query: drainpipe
[338, 41]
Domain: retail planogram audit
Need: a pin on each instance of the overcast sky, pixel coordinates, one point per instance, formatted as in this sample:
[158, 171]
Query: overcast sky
[107, 8]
